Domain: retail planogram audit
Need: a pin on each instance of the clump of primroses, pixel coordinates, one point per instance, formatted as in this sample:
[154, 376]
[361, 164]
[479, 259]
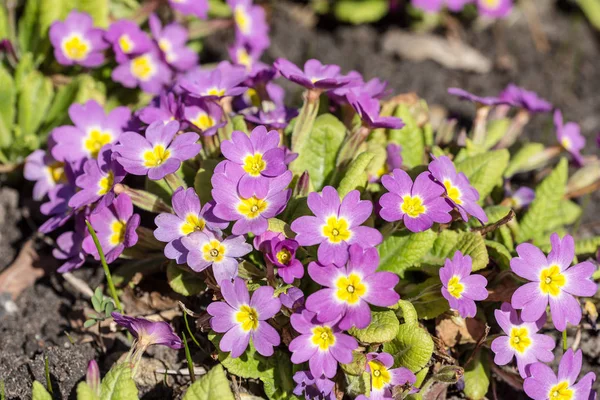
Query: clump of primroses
[301, 259]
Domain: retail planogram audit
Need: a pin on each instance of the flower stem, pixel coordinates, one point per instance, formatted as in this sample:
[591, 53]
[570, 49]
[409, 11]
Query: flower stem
[564, 340]
[111, 285]
[188, 356]
[47, 373]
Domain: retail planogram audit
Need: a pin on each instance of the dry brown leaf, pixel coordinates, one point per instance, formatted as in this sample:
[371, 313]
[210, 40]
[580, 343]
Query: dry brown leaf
[453, 330]
[25, 270]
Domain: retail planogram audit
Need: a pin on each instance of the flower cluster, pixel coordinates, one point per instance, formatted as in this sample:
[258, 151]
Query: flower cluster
[487, 8]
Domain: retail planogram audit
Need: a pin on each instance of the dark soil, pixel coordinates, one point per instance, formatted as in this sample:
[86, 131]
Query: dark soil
[568, 75]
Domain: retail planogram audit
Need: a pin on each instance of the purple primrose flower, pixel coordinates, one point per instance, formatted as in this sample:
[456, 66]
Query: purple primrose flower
[280, 252]
[205, 249]
[45, 171]
[172, 43]
[250, 23]
[522, 197]
[552, 281]
[198, 8]
[98, 180]
[147, 71]
[165, 108]
[525, 99]
[368, 110]
[460, 288]
[148, 333]
[458, 189]
[336, 225]
[384, 377]
[224, 80]
[259, 156]
[569, 136]
[249, 213]
[69, 246]
[319, 388]
[521, 341]
[205, 115]
[486, 101]
[115, 227]
[190, 216]
[417, 204]
[351, 288]
[76, 41]
[127, 40]
[543, 384]
[242, 318]
[314, 76]
[93, 129]
[494, 8]
[292, 299]
[159, 153]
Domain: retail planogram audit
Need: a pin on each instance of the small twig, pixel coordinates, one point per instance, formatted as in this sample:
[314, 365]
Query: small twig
[79, 285]
[484, 230]
[47, 373]
[535, 27]
[183, 372]
[478, 344]
[577, 339]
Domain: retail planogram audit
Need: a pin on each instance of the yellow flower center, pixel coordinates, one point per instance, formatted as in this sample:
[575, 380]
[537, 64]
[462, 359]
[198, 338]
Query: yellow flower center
[284, 256]
[76, 47]
[560, 391]
[253, 97]
[126, 44]
[56, 170]
[118, 228]
[164, 45]
[454, 287]
[244, 58]
[192, 223]
[203, 121]
[143, 67]
[213, 251]
[519, 339]
[94, 141]
[566, 143]
[412, 206]
[215, 92]
[453, 192]
[242, 20]
[155, 157]
[350, 288]
[336, 230]
[254, 164]
[323, 337]
[252, 207]
[551, 280]
[380, 376]
[247, 317]
[106, 183]
[491, 3]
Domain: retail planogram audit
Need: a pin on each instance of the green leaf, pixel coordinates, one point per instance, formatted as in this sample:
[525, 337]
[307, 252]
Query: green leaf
[495, 131]
[545, 207]
[430, 303]
[588, 246]
[85, 392]
[118, 384]
[499, 253]
[98, 10]
[356, 175]
[202, 183]
[35, 95]
[239, 124]
[39, 392]
[248, 365]
[357, 385]
[277, 378]
[51, 11]
[7, 107]
[184, 282]
[485, 170]
[472, 244]
[57, 113]
[28, 36]
[357, 366]
[360, 11]
[568, 213]
[3, 22]
[212, 386]
[444, 243]
[591, 9]
[318, 151]
[383, 328]
[477, 378]
[519, 161]
[412, 348]
[403, 250]
[410, 137]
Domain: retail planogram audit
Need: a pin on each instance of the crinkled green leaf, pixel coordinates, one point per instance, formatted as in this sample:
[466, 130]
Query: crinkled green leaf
[278, 378]
[53, 10]
[97, 9]
[495, 131]
[202, 183]
[28, 36]
[410, 137]
[85, 392]
[412, 348]
[3, 22]
[360, 11]
[239, 124]
[186, 283]
[568, 213]
[39, 392]
[118, 384]
[477, 378]
[7, 107]
[444, 243]
[499, 253]
[429, 303]
[485, 170]
[383, 328]
[57, 112]
[472, 244]
[521, 159]
[357, 366]
[545, 207]
[277, 225]
[405, 249]
[212, 386]
[35, 96]
[356, 175]
[248, 365]
[318, 150]
[358, 384]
